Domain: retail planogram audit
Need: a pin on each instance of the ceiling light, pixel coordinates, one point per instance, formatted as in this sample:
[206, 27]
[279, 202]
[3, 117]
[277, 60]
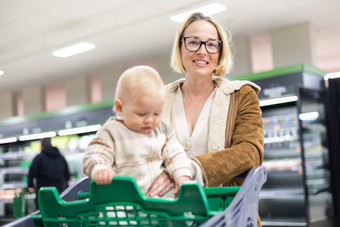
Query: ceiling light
[72, 50]
[207, 10]
[85, 129]
[37, 136]
[2, 72]
[268, 102]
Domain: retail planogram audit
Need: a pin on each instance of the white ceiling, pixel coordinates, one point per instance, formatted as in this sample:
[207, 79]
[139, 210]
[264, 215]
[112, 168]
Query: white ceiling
[128, 30]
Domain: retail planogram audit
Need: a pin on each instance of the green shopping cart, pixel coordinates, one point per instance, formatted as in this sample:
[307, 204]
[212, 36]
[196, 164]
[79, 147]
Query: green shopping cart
[121, 203]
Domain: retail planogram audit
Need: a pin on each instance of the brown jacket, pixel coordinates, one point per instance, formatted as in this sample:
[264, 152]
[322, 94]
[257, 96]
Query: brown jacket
[244, 140]
[235, 131]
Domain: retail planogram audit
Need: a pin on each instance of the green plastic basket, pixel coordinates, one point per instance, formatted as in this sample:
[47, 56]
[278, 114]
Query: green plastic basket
[123, 204]
[23, 203]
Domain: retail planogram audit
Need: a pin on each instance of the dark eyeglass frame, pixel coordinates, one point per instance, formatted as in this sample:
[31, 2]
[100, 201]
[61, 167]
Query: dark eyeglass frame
[220, 43]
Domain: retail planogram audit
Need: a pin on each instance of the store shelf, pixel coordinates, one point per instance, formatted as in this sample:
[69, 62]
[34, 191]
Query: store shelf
[14, 185]
[14, 155]
[14, 170]
[281, 193]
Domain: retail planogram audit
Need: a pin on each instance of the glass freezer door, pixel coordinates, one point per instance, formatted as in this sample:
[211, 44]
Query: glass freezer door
[282, 198]
[315, 154]
[296, 155]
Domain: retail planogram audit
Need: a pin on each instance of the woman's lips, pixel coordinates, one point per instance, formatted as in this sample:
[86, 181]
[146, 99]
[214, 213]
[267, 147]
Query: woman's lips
[200, 62]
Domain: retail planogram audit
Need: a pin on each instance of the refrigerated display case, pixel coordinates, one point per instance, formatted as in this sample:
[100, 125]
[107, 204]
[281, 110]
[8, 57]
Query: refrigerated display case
[333, 121]
[14, 169]
[282, 199]
[16, 155]
[299, 189]
[315, 153]
[296, 156]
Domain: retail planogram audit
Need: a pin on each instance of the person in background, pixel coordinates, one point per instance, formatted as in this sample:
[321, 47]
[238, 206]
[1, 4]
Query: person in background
[137, 143]
[49, 168]
[217, 121]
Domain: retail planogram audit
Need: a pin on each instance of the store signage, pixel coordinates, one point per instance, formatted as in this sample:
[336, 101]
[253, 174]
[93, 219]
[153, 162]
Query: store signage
[25, 131]
[274, 92]
[68, 124]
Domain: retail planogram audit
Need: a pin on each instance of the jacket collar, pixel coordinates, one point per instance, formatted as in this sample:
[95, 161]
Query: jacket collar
[227, 86]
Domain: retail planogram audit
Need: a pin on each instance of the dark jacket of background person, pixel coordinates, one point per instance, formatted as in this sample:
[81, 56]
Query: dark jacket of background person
[49, 168]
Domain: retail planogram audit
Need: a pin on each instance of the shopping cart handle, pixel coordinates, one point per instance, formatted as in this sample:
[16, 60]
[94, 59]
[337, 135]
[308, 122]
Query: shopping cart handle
[73, 192]
[124, 190]
[88, 204]
[243, 209]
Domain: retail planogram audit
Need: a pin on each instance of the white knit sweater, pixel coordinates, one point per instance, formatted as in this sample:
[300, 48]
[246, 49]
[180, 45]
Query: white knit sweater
[137, 155]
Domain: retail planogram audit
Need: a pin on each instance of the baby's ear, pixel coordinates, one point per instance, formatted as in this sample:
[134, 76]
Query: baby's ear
[119, 107]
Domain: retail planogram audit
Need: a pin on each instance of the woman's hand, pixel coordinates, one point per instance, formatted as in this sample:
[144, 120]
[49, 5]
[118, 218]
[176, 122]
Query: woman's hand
[161, 185]
[104, 176]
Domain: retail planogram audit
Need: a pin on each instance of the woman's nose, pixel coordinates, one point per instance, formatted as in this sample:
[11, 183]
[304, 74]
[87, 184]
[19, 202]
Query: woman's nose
[202, 49]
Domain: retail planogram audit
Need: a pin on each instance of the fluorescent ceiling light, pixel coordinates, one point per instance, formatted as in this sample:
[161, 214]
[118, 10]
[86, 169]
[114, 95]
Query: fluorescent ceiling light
[85, 129]
[206, 10]
[72, 50]
[332, 75]
[268, 102]
[2, 72]
[8, 140]
[37, 136]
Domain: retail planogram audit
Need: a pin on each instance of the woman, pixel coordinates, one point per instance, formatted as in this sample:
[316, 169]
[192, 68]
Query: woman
[217, 121]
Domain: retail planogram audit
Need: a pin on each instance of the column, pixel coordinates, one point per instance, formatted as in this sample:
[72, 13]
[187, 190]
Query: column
[109, 79]
[293, 44]
[32, 97]
[242, 55]
[77, 90]
[6, 107]
[55, 96]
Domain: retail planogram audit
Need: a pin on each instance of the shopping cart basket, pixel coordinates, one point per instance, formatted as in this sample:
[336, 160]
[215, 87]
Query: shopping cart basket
[123, 204]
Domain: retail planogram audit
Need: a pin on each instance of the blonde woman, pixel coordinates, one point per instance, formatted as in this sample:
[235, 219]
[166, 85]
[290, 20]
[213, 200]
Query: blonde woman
[217, 121]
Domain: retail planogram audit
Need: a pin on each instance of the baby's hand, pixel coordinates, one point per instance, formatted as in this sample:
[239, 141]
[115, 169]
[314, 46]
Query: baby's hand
[104, 176]
[179, 182]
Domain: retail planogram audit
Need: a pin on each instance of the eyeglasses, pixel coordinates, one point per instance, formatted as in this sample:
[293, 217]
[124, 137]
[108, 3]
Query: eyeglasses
[194, 44]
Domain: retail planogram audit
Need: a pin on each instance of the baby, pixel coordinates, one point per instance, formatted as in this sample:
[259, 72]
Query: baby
[137, 143]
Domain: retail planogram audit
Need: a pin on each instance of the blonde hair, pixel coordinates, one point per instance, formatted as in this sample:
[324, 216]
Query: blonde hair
[225, 62]
[138, 81]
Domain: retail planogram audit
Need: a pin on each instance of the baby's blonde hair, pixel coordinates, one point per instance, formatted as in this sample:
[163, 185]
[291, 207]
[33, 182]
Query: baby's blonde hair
[139, 81]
